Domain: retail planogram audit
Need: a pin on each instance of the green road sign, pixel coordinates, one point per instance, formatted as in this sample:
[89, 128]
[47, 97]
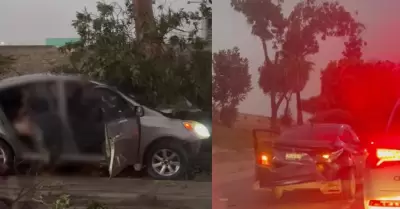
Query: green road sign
[58, 42]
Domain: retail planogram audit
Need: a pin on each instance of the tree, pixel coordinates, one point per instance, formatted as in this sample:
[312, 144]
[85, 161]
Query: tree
[294, 39]
[307, 22]
[366, 90]
[172, 68]
[231, 81]
[268, 24]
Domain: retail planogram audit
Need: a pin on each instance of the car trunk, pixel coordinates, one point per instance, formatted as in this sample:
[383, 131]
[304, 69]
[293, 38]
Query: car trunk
[300, 162]
[297, 158]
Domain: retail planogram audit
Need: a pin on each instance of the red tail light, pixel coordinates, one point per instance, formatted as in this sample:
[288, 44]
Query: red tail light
[387, 155]
[330, 156]
[264, 159]
[384, 203]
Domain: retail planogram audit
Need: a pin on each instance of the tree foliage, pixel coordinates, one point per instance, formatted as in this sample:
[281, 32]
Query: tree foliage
[367, 90]
[160, 70]
[294, 39]
[231, 81]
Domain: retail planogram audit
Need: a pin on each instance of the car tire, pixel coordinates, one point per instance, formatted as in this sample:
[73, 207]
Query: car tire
[275, 194]
[171, 147]
[349, 184]
[6, 163]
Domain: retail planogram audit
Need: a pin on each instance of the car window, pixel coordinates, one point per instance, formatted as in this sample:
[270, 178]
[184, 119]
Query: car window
[41, 97]
[311, 133]
[76, 105]
[349, 137]
[113, 103]
[394, 123]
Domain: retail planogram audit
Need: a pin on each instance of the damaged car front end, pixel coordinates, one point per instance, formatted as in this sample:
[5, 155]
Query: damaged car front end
[308, 157]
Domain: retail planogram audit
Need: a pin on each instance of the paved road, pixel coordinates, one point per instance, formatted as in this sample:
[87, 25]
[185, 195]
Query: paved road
[239, 195]
[233, 182]
[113, 192]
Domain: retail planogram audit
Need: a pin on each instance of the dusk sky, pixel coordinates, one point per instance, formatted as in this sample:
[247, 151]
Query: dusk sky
[380, 17]
[30, 22]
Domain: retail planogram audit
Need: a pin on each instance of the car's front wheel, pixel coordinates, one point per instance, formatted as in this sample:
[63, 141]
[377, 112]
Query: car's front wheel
[167, 161]
[276, 193]
[6, 159]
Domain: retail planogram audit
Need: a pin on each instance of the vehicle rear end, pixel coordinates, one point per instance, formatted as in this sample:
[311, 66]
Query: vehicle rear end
[382, 174]
[301, 159]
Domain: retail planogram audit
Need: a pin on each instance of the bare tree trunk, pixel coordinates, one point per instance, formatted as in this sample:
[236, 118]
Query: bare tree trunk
[274, 111]
[264, 45]
[299, 109]
[287, 105]
[144, 17]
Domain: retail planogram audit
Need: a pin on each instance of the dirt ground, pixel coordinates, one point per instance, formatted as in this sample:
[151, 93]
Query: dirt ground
[115, 193]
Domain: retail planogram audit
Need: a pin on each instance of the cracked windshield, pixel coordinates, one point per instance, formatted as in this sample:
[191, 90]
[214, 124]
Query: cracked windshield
[306, 104]
[105, 104]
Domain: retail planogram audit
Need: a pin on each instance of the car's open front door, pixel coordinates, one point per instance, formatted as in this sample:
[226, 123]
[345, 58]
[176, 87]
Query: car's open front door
[122, 130]
[121, 144]
[263, 139]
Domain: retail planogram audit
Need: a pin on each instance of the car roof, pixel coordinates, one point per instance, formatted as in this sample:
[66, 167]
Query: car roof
[311, 129]
[32, 78]
[42, 77]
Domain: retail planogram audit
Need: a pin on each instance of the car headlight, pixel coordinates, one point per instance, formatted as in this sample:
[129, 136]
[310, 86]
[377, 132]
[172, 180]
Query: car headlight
[197, 128]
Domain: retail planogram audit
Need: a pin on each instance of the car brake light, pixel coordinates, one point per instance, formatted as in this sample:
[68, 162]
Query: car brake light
[329, 157]
[384, 203]
[387, 155]
[326, 156]
[264, 159]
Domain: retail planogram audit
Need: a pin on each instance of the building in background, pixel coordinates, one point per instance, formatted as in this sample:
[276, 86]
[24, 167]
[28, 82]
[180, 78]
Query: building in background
[59, 42]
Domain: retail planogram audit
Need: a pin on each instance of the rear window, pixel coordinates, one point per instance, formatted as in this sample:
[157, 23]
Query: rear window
[394, 126]
[317, 132]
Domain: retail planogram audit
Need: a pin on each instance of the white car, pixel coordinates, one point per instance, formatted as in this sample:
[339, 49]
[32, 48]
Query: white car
[382, 174]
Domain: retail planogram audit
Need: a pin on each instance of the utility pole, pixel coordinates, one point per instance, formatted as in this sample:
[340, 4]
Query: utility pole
[144, 17]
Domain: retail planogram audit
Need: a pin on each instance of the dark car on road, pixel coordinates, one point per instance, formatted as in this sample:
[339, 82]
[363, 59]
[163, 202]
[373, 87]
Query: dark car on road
[326, 157]
[63, 119]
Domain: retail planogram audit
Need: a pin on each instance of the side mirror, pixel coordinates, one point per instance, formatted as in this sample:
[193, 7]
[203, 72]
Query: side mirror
[139, 111]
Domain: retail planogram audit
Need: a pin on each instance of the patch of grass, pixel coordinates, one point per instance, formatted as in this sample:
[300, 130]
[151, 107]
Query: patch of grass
[231, 138]
[237, 139]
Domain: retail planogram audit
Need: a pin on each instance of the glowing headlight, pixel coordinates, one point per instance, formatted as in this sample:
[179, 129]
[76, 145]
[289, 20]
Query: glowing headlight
[197, 128]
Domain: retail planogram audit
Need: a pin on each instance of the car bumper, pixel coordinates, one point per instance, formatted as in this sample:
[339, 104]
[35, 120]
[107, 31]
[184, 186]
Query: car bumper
[367, 206]
[203, 158]
[291, 177]
[326, 187]
[388, 196]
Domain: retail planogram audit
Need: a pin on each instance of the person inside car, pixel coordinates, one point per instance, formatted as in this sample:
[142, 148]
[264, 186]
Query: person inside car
[14, 107]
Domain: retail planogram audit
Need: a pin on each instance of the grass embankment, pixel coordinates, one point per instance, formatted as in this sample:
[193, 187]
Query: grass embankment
[234, 138]
[231, 138]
